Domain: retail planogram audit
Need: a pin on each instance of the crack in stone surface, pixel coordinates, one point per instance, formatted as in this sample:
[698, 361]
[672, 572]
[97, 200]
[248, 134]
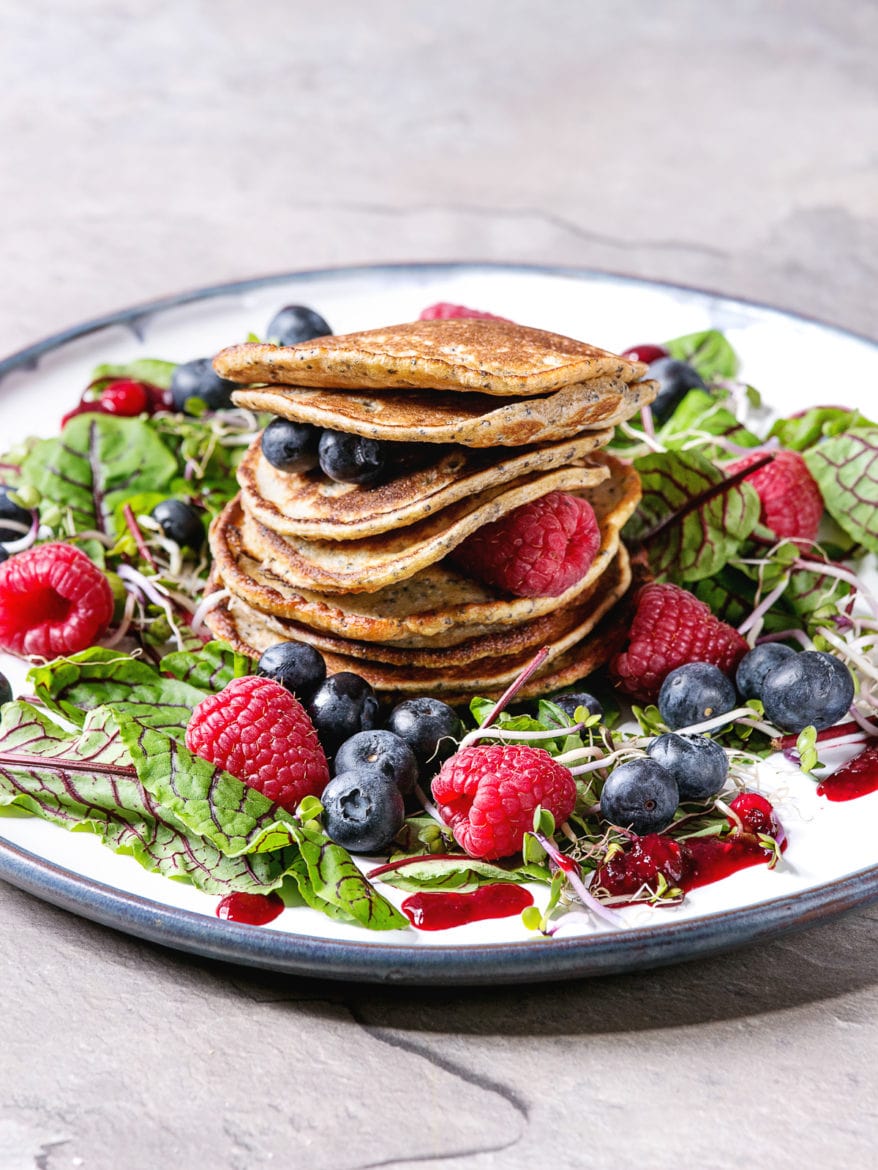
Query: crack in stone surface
[549, 217]
[41, 1160]
[454, 1069]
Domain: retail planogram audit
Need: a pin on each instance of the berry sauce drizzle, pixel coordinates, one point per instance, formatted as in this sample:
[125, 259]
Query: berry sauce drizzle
[709, 859]
[253, 909]
[442, 910]
[858, 777]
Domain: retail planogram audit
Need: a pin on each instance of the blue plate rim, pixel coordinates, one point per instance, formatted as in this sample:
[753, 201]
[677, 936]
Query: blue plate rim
[25, 357]
[532, 960]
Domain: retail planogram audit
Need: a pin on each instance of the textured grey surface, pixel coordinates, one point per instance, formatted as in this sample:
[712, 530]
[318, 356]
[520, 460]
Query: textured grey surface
[153, 148]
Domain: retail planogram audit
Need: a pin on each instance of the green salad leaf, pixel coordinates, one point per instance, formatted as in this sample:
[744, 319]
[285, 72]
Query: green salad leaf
[689, 522]
[93, 467]
[209, 668]
[822, 422]
[95, 677]
[708, 351]
[85, 780]
[445, 872]
[846, 470]
[152, 370]
[698, 418]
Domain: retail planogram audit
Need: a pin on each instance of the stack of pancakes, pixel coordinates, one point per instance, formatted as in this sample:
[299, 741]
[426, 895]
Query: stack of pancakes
[502, 415]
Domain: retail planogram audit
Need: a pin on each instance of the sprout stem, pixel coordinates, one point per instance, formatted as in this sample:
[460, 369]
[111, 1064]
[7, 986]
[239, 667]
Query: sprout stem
[499, 732]
[574, 875]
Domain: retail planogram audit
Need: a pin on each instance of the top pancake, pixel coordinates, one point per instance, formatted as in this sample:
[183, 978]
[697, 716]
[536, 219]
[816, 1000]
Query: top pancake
[468, 354]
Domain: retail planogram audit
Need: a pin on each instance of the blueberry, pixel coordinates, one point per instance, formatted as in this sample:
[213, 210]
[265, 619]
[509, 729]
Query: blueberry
[342, 706]
[5, 690]
[640, 796]
[362, 810]
[198, 379]
[675, 380]
[352, 458]
[383, 751]
[298, 667]
[695, 692]
[290, 446]
[15, 521]
[756, 664]
[430, 728]
[697, 763]
[569, 703]
[180, 522]
[295, 323]
[811, 688]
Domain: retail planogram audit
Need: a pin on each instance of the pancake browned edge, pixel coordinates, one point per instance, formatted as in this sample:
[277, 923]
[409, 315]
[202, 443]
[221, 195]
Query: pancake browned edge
[472, 420]
[311, 505]
[251, 632]
[436, 607]
[464, 355]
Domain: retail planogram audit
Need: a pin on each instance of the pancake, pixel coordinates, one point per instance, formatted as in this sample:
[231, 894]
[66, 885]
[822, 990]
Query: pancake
[369, 564]
[529, 635]
[251, 632]
[310, 504]
[437, 607]
[469, 355]
[473, 420]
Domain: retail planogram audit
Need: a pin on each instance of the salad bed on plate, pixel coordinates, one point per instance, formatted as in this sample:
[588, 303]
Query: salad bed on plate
[260, 782]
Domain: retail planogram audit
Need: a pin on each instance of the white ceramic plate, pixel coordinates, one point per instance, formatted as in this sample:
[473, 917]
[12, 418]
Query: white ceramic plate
[831, 864]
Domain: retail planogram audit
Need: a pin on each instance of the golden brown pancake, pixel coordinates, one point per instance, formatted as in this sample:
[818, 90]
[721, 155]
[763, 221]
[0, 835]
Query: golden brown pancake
[470, 355]
[251, 632]
[473, 420]
[311, 505]
[369, 564]
[436, 607]
[529, 635]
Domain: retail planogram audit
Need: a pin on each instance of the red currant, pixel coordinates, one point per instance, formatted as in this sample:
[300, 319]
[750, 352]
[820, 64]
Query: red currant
[644, 353]
[124, 397]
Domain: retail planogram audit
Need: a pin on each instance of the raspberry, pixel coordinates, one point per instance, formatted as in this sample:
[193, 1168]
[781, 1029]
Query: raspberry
[626, 873]
[537, 550]
[53, 601]
[443, 311]
[670, 628]
[791, 501]
[255, 729]
[488, 794]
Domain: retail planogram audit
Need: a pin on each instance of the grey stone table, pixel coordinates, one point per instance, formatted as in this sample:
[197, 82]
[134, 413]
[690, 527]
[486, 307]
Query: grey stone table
[153, 148]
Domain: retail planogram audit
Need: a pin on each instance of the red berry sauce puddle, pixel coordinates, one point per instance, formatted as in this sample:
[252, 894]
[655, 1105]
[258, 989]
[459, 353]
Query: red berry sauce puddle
[707, 859]
[252, 909]
[858, 777]
[441, 911]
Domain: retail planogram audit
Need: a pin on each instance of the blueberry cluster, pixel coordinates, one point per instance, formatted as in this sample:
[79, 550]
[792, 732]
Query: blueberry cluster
[644, 794]
[374, 768]
[797, 690]
[345, 458]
